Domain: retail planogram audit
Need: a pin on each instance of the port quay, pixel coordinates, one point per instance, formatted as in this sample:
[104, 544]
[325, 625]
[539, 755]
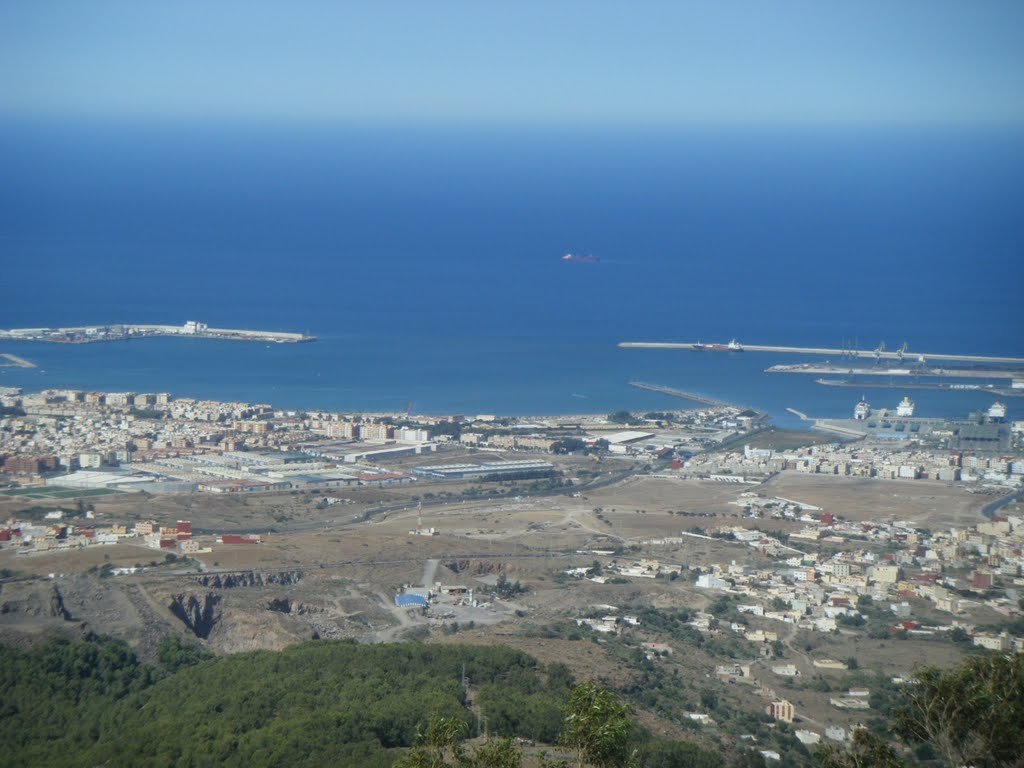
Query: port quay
[192, 329]
[878, 354]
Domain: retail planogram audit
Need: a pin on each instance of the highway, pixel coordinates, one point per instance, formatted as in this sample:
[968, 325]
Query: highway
[876, 354]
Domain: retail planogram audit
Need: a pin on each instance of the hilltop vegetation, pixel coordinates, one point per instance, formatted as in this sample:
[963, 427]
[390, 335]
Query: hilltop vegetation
[338, 703]
[341, 703]
[322, 703]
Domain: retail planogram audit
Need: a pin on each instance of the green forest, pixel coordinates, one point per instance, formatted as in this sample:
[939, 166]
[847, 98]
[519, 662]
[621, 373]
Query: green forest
[333, 703]
[339, 703]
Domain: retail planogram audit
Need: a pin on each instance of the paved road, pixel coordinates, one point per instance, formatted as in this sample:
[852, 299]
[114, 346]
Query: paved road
[990, 509]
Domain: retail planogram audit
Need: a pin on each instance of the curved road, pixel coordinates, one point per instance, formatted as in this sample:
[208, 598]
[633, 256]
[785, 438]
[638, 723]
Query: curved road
[990, 509]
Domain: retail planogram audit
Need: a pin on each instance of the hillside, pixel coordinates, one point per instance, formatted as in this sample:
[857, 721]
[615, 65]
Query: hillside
[314, 704]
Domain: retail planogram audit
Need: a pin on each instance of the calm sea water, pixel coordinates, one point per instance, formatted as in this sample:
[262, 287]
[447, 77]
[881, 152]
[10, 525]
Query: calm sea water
[426, 261]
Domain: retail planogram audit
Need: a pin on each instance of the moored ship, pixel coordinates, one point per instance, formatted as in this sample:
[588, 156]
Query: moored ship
[862, 410]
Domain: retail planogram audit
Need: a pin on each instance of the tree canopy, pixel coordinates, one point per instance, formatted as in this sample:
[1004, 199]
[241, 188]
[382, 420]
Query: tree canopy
[969, 715]
[972, 714]
[90, 703]
[326, 702]
[596, 727]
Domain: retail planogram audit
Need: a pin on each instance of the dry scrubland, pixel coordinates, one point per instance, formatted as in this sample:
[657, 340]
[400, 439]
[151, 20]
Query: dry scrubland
[333, 572]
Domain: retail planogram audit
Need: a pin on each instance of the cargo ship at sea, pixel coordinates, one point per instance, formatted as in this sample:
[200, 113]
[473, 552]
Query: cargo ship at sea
[732, 346]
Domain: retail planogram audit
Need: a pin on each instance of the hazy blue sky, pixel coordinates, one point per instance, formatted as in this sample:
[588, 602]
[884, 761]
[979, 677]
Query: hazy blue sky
[654, 62]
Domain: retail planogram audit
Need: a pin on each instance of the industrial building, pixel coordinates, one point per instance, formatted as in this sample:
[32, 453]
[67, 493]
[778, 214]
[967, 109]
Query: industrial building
[490, 469]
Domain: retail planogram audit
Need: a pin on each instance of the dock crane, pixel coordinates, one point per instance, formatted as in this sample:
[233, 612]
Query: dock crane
[850, 348]
[879, 350]
[902, 351]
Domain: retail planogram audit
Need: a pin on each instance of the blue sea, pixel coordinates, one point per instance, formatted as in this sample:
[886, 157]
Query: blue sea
[426, 259]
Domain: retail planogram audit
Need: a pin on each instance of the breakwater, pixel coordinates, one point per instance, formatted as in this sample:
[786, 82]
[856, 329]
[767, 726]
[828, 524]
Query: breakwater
[952, 373]
[673, 392]
[878, 354]
[191, 330]
[13, 361]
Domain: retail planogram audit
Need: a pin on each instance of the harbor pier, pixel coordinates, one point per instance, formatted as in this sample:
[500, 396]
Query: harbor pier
[877, 354]
[950, 373]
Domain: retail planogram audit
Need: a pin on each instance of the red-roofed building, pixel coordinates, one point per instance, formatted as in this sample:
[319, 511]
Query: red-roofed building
[236, 538]
[383, 478]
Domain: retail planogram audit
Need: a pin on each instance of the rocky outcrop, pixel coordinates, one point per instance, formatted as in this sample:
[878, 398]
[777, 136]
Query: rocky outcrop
[280, 604]
[474, 567]
[248, 579]
[273, 614]
[199, 613]
[241, 631]
[36, 599]
[57, 607]
[287, 605]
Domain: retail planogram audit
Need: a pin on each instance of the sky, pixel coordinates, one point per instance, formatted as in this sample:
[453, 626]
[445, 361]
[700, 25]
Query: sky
[677, 62]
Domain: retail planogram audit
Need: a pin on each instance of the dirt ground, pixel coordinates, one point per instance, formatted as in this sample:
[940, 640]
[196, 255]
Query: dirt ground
[334, 572]
[929, 504]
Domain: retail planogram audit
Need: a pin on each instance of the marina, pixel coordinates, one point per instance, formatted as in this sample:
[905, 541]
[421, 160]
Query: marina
[192, 329]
